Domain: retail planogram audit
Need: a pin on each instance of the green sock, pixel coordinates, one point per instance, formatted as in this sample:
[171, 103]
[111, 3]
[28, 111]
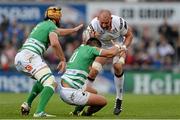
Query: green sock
[37, 88]
[78, 109]
[46, 94]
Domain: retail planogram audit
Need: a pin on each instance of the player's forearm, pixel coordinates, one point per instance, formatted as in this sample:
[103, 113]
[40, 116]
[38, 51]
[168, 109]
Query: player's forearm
[128, 41]
[68, 31]
[56, 46]
[110, 53]
[128, 38]
[64, 32]
[59, 52]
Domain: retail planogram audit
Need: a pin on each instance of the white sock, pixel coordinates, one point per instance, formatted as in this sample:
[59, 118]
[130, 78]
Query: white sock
[119, 82]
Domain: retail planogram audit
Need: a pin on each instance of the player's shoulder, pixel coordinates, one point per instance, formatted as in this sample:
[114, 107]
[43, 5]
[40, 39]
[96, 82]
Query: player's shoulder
[49, 23]
[117, 19]
[88, 46]
[94, 20]
[94, 24]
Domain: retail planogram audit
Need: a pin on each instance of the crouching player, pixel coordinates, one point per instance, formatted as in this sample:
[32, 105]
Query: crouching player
[73, 89]
[29, 59]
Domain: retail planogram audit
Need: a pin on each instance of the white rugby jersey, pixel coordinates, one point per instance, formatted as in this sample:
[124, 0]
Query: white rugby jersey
[118, 30]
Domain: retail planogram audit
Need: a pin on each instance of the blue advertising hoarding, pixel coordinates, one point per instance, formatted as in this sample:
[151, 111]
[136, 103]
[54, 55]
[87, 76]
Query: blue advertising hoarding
[12, 81]
[137, 82]
[34, 13]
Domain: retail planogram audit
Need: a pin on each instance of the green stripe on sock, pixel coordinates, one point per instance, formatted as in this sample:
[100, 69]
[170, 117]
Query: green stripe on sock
[43, 77]
[46, 78]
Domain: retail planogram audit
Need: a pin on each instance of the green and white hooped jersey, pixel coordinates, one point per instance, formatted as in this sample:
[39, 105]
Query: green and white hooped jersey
[75, 78]
[38, 40]
[78, 65]
[34, 46]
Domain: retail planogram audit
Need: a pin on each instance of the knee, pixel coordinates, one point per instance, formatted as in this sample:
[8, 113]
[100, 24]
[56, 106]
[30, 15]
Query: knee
[104, 102]
[91, 90]
[118, 68]
[96, 100]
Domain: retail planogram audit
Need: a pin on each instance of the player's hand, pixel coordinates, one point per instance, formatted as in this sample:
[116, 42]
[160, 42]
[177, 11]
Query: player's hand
[78, 28]
[122, 53]
[61, 67]
[120, 46]
[116, 45]
[123, 48]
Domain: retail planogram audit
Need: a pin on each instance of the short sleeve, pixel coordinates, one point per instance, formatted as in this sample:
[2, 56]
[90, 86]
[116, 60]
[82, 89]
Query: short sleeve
[52, 27]
[94, 51]
[93, 25]
[123, 26]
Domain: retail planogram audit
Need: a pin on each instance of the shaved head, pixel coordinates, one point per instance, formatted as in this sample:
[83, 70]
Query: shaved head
[105, 13]
[105, 19]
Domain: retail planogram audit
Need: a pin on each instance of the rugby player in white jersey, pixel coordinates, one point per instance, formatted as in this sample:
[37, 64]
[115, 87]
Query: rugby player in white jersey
[111, 28]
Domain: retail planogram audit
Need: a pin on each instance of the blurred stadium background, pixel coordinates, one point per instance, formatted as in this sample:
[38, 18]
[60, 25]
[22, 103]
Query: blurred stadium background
[153, 61]
[152, 79]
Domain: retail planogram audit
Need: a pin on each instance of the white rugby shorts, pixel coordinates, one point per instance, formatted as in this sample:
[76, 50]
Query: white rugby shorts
[73, 96]
[28, 62]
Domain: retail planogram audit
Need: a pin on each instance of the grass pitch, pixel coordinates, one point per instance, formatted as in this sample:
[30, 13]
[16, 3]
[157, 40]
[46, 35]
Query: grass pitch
[134, 107]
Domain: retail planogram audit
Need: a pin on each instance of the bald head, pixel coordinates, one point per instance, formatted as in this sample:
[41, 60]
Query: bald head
[105, 19]
[105, 13]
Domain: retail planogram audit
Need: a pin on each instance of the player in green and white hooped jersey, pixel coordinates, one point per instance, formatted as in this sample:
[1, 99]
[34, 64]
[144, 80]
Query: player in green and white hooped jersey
[73, 89]
[29, 59]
